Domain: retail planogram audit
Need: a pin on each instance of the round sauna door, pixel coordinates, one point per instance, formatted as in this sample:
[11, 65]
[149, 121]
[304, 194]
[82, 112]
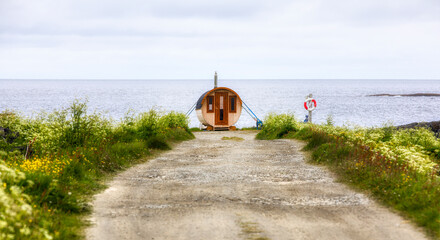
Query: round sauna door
[221, 108]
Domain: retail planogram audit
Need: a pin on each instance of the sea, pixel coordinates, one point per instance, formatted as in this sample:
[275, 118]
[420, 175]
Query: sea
[347, 102]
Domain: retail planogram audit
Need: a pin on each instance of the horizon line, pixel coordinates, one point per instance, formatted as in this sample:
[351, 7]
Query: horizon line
[200, 79]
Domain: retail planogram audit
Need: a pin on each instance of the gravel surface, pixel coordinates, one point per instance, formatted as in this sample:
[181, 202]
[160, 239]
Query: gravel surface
[209, 188]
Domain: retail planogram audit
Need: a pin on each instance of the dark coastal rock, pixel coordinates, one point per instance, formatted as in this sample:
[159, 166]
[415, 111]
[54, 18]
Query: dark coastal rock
[8, 135]
[406, 95]
[433, 126]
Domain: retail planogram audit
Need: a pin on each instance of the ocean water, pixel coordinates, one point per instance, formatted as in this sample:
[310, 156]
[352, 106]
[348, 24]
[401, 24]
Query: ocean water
[345, 100]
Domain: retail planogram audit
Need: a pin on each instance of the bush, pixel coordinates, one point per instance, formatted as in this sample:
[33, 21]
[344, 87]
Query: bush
[175, 120]
[158, 143]
[126, 131]
[399, 167]
[129, 150]
[276, 126]
[71, 149]
[18, 220]
[147, 125]
[83, 129]
[11, 137]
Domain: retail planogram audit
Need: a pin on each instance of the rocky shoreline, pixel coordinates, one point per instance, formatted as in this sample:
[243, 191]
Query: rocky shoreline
[405, 95]
[433, 126]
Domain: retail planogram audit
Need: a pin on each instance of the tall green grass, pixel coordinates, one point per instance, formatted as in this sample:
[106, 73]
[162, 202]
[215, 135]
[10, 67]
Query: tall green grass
[67, 153]
[278, 125]
[398, 167]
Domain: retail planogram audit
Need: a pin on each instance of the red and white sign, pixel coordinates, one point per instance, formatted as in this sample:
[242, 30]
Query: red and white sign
[310, 104]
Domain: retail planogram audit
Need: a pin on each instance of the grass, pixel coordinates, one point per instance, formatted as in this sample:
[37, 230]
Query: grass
[398, 167]
[248, 128]
[276, 126]
[195, 129]
[71, 153]
[251, 230]
[238, 139]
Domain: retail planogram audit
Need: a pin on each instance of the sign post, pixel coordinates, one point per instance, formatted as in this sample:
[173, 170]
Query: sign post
[310, 105]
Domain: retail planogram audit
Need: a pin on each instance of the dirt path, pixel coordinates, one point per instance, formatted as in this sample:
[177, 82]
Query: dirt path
[210, 188]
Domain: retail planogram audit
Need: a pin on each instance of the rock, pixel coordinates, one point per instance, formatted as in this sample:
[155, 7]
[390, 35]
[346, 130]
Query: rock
[406, 95]
[8, 135]
[433, 126]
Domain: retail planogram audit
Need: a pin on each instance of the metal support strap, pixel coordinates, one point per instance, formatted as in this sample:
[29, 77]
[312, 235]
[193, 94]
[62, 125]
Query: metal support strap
[252, 114]
[191, 109]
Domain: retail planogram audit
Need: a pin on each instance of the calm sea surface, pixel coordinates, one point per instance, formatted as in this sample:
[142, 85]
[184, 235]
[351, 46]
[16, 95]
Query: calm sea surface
[345, 100]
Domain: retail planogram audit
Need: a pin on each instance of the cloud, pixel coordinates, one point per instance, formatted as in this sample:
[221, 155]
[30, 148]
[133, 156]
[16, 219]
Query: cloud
[243, 39]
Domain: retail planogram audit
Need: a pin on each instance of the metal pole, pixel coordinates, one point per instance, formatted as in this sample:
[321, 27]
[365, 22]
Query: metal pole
[215, 80]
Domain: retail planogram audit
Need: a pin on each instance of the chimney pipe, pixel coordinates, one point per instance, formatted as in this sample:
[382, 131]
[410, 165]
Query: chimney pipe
[215, 80]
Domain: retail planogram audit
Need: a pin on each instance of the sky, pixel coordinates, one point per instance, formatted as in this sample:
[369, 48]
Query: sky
[240, 39]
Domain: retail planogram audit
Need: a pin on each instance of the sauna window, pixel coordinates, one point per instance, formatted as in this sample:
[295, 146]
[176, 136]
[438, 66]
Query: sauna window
[210, 104]
[233, 104]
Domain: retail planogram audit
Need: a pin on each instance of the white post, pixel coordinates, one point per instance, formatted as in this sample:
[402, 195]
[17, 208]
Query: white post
[310, 116]
[310, 107]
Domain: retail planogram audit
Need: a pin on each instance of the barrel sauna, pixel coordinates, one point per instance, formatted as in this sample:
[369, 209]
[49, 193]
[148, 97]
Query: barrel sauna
[219, 109]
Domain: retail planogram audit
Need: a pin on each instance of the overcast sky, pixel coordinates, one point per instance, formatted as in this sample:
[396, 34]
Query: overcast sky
[241, 39]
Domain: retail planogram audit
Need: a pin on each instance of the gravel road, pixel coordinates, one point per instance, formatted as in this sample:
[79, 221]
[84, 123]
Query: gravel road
[209, 188]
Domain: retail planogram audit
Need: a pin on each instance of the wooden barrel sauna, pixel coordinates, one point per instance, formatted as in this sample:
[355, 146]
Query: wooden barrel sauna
[219, 109]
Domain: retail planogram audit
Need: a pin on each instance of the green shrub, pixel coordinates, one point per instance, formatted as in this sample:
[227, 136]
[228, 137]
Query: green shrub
[174, 120]
[71, 150]
[130, 150]
[15, 139]
[81, 128]
[276, 126]
[195, 129]
[399, 167]
[18, 220]
[303, 133]
[126, 130]
[147, 125]
[330, 120]
[158, 143]
[3, 155]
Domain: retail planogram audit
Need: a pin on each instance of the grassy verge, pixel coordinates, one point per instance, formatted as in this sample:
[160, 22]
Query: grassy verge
[195, 129]
[51, 164]
[400, 168]
[237, 139]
